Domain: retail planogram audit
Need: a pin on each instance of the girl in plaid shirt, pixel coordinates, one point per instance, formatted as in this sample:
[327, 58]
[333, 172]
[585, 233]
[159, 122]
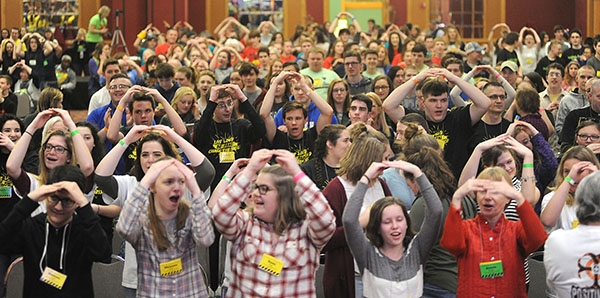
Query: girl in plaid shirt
[276, 243]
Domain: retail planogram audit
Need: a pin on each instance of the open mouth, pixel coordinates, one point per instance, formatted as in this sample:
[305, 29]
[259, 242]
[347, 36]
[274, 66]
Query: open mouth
[174, 199]
[51, 158]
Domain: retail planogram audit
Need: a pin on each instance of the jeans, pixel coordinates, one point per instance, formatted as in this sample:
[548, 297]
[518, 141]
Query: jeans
[358, 286]
[433, 291]
[129, 293]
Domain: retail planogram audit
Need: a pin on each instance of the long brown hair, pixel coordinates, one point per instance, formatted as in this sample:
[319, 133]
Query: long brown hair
[156, 225]
[290, 209]
[367, 147]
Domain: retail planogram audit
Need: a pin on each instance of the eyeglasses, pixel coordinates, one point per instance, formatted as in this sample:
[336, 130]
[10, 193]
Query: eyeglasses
[588, 137]
[554, 74]
[339, 90]
[262, 189]
[354, 63]
[66, 202]
[381, 88]
[225, 105]
[119, 86]
[497, 96]
[57, 149]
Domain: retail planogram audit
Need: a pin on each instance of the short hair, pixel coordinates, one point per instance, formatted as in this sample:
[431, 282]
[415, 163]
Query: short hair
[292, 63]
[164, 71]
[364, 98]
[434, 87]
[352, 54]
[315, 50]
[420, 48]
[118, 76]
[371, 52]
[374, 225]
[344, 31]
[511, 38]
[453, 60]
[140, 96]
[556, 65]
[291, 106]
[8, 79]
[189, 72]
[261, 50]
[248, 67]
[587, 196]
[109, 61]
[253, 34]
[67, 172]
[492, 84]
[575, 30]
[528, 100]
[49, 98]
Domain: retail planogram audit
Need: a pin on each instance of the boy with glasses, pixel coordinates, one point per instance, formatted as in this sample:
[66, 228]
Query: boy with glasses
[353, 67]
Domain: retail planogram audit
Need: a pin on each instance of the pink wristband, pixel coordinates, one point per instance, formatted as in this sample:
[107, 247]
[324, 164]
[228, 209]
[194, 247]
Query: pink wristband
[299, 176]
[498, 75]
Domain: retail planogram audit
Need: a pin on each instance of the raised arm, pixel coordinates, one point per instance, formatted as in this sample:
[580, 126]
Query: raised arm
[392, 106]
[14, 162]
[325, 109]
[528, 187]
[267, 105]
[472, 165]
[552, 210]
[81, 151]
[481, 103]
[176, 122]
[236, 167]
[113, 134]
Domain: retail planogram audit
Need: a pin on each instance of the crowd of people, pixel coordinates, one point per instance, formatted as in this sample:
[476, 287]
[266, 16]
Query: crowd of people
[406, 162]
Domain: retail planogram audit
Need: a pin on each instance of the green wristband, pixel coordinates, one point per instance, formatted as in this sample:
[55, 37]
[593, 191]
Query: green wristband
[122, 143]
[527, 165]
[74, 132]
[570, 180]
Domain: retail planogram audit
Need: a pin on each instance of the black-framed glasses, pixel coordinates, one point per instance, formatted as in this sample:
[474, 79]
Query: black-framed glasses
[353, 63]
[340, 90]
[58, 149]
[262, 189]
[66, 202]
[224, 105]
[588, 137]
[497, 96]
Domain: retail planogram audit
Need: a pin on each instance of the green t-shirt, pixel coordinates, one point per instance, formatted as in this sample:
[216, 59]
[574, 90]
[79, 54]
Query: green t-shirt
[321, 80]
[98, 23]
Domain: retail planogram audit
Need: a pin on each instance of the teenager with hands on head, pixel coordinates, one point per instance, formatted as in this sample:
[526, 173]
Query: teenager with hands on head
[295, 117]
[451, 128]
[545, 163]
[390, 256]
[164, 229]
[495, 266]
[64, 241]
[59, 147]
[505, 152]
[276, 244]
[141, 112]
[558, 206]
[221, 137]
[508, 89]
[151, 147]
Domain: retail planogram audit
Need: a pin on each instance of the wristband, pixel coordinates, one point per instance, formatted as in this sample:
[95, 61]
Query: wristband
[299, 176]
[527, 165]
[226, 179]
[416, 81]
[365, 175]
[570, 181]
[105, 128]
[27, 132]
[120, 108]
[528, 178]
[541, 110]
[142, 34]
[74, 132]
[497, 76]
[122, 143]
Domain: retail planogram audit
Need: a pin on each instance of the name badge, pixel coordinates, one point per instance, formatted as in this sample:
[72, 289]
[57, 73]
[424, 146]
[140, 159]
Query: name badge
[226, 157]
[5, 192]
[271, 264]
[53, 278]
[491, 269]
[171, 267]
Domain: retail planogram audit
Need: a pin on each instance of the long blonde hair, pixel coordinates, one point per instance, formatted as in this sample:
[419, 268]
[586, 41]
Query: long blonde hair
[157, 227]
